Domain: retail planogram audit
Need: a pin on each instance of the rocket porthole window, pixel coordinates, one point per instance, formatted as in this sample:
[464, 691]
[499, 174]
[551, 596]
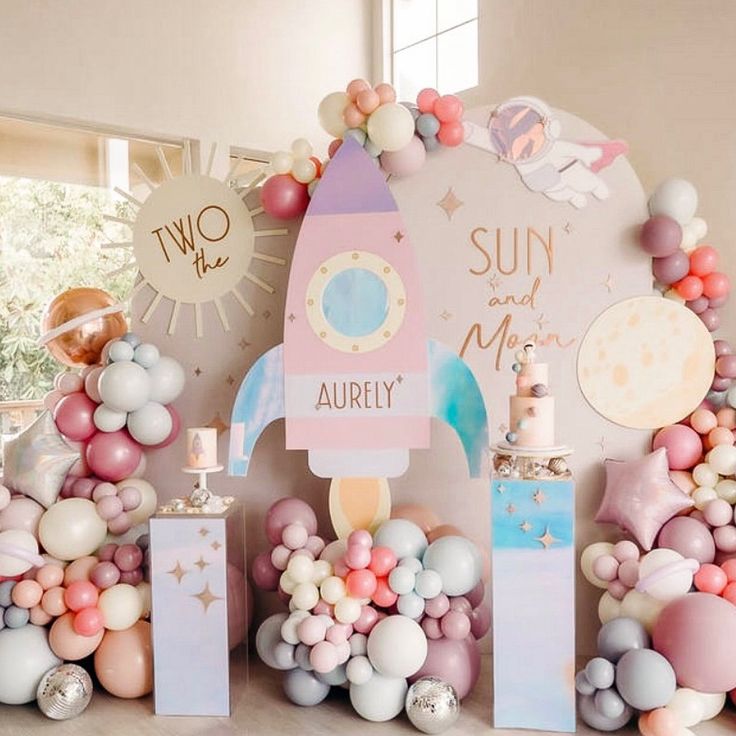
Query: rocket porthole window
[355, 302]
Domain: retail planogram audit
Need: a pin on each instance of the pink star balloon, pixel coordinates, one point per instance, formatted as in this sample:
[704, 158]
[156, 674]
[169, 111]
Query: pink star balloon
[640, 496]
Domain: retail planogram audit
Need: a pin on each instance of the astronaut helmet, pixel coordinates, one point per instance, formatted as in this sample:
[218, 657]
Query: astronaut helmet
[523, 129]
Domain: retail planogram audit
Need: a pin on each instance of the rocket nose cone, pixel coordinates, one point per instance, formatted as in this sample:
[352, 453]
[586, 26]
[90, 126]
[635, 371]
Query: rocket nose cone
[352, 183]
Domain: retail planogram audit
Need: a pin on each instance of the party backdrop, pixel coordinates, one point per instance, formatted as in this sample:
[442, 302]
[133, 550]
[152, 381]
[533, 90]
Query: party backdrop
[500, 263]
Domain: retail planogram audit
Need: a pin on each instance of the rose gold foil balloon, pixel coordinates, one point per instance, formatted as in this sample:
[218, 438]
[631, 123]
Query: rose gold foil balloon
[423, 517]
[124, 661]
[77, 324]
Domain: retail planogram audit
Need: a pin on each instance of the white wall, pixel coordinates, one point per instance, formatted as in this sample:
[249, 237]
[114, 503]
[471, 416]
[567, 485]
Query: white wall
[240, 72]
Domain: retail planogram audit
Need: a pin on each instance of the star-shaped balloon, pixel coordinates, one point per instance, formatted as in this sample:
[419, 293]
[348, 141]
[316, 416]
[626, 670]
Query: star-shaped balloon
[640, 496]
[36, 461]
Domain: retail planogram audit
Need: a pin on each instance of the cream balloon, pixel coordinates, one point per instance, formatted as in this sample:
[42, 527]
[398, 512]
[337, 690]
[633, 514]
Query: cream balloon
[330, 112]
[608, 608]
[149, 500]
[590, 554]
[391, 127]
[642, 607]
[121, 606]
[18, 548]
[671, 575]
[687, 706]
[713, 704]
[71, 528]
[144, 591]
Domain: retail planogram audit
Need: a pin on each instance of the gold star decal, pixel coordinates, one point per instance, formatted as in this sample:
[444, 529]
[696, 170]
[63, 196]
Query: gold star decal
[206, 597]
[539, 497]
[178, 572]
[445, 315]
[201, 564]
[217, 423]
[546, 540]
[540, 322]
[215, 545]
[608, 284]
[203, 532]
[602, 444]
[525, 526]
[511, 509]
[399, 378]
[266, 314]
[501, 488]
[449, 203]
[243, 344]
[198, 371]
[291, 317]
[567, 228]
[229, 380]
[398, 236]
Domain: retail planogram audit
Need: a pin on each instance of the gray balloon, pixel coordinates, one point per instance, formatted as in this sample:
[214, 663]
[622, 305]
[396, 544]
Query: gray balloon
[645, 679]
[268, 636]
[582, 685]
[301, 656]
[303, 688]
[283, 655]
[600, 673]
[431, 142]
[333, 677]
[427, 125]
[609, 703]
[620, 636]
[595, 719]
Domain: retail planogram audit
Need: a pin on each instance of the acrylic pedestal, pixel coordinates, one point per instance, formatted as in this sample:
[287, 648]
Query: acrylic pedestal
[533, 560]
[195, 560]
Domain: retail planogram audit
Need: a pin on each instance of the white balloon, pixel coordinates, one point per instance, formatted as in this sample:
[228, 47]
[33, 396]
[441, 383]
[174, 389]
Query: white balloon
[590, 554]
[281, 162]
[676, 583]
[397, 646]
[359, 670]
[167, 380]
[10, 565]
[330, 112]
[676, 198]
[150, 424]
[301, 148]
[380, 698]
[722, 458]
[687, 706]
[109, 420]
[712, 704]
[71, 528]
[401, 536]
[458, 562]
[146, 355]
[25, 657]
[119, 351]
[347, 610]
[121, 606]
[149, 500]
[124, 386]
[304, 170]
[726, 489]
[699, 226]
[391, 127]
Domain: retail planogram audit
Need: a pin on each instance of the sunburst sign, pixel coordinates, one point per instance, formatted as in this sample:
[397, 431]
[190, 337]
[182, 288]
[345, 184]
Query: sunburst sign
[193, 241]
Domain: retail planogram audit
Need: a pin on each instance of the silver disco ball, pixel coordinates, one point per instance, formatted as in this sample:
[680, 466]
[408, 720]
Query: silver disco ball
[432, 705]
[64, 692]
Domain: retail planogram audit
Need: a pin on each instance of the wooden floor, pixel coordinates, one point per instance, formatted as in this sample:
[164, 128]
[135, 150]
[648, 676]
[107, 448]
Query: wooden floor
[262, 710]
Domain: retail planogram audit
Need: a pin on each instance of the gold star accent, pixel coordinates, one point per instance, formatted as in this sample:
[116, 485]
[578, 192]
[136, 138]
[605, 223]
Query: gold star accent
[546, 540]
[539, 497]
[503, 428]
[511, 509]
[445, 315]
[602, 444]
[206, 597]
[399, 378]
[201, 563]
[608, 284]
[501, 488]
[229, 380]
[449, 203]
[525, 526]
[398, 236]
[540, 322]
[198, 371]
[568, 227]
[243, 344]
[266, 314]
[217, 423]
[494, 282]
[203, 532]
[215, 545]
[178, 572]
[291, 317]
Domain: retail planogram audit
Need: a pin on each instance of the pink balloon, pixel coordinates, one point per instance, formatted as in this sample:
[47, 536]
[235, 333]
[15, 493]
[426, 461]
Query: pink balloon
[726, 366]
[426, 99]
[175, 428]
[367, 101]
[672, 268]
[89, 621]
[661, 236]
[688, 536]
[684, 446]
[355, 87]
[456, 661]
[361, 583]
[334, 145]
[90, 383]
[386, 93]
[455, 625]
[448, 108]
[695, 633]
[710, 579]
[431, 628]
[128, 557]
[113, 456]
[51, 399]
[716, 285]
[711, 319]
[405, 161]
[480, 621]
[80, 594]
[104, 575]
[451, 133]
[21, 513]
[352, 116]
[73, 416]
[703, 260]
[283, 197]
[68, 383]
[475, 596]
[80, 469]
[287, 511]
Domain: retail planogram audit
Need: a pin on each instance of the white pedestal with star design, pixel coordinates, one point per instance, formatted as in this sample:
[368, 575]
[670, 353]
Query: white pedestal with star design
[533, 553]
[196, 559]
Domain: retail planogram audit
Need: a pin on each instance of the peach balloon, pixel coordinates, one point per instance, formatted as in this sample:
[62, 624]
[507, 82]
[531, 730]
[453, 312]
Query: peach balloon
[720, 436]
[423, 517]
[355, 87]
[27, 594]
[683, 479]
[367, 101]
[124, 662]
[352, 116]
[443, 530]
[726, 417]
[49, 576]
[77, 324]
[386, 93]
[39, 617]
[703, 421]
[53, 601]
[79, 569]
[67, 644]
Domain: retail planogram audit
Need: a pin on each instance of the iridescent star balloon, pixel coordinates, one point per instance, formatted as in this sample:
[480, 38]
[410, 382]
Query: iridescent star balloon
[640, 496]
[36, 461]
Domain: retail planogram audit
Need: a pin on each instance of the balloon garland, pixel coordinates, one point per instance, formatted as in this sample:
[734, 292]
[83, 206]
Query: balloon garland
[397, 136]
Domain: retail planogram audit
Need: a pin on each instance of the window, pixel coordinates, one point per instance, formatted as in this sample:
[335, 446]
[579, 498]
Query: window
[57, 183]
[434, 43]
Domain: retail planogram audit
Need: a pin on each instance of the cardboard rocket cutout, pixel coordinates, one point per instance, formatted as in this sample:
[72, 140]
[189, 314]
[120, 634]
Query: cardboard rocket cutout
[356, 378]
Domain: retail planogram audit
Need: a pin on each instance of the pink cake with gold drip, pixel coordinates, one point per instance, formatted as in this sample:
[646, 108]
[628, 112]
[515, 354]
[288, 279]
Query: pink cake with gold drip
[531, 409]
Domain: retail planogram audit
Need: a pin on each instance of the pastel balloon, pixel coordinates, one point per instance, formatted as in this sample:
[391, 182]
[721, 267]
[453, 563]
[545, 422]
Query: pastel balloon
[284, 197]
[380, 698]
[397, 646]
[167, 379]
[71, 528]
[671, 268]
[28, 652]
[124, 386]
[107, 419]
[124, 663]
[661, 236]
[304, 688]
[287, 511]
[451, 133]
[113, 456]
[401, 536]
[422, 516]
[330, 112]
[67, 644]
[665, 575]
[21, 513]
[676, 198]
[456, 661]
[688, 536]
[693, 633]
[683, 445]
[149, 500]
[406, 161]
[79, 569]
[458, 562]
[391, 127]
[80, 594]
[151, 424]
[121, 606]
[18, 552]
[645, 679]
[73, 416]
[590, 554]
[268, 636]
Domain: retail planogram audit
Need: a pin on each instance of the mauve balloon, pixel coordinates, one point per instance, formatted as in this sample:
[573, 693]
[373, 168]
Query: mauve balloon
[661, 236]
[456, 661]
[711, 319]
[726, 366]
[698, 305]
[688, 536]
[672, 268]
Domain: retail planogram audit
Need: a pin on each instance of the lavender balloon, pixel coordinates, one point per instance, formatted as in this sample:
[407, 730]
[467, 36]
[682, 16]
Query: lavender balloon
[710, 319]
[672, 268]
[698, 305]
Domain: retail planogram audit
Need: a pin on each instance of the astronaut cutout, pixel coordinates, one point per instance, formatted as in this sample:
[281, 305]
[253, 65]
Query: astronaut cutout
[524, 132]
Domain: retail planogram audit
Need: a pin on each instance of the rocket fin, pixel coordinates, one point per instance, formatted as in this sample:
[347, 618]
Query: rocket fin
[259, 402]
[457, 400]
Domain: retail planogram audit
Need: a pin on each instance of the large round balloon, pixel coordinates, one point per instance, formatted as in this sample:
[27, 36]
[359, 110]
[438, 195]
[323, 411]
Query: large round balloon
[18, 552]
[397, 646]
[124, 386]
[151, 424]
[77, 324]
[695, 633]
[113, 456]
[73, 416]
[124, 662]
[66, 643]
[458, 562]
[456, 661]
[380, 698]
[25, 657]
[149, 501]
[71, 528]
